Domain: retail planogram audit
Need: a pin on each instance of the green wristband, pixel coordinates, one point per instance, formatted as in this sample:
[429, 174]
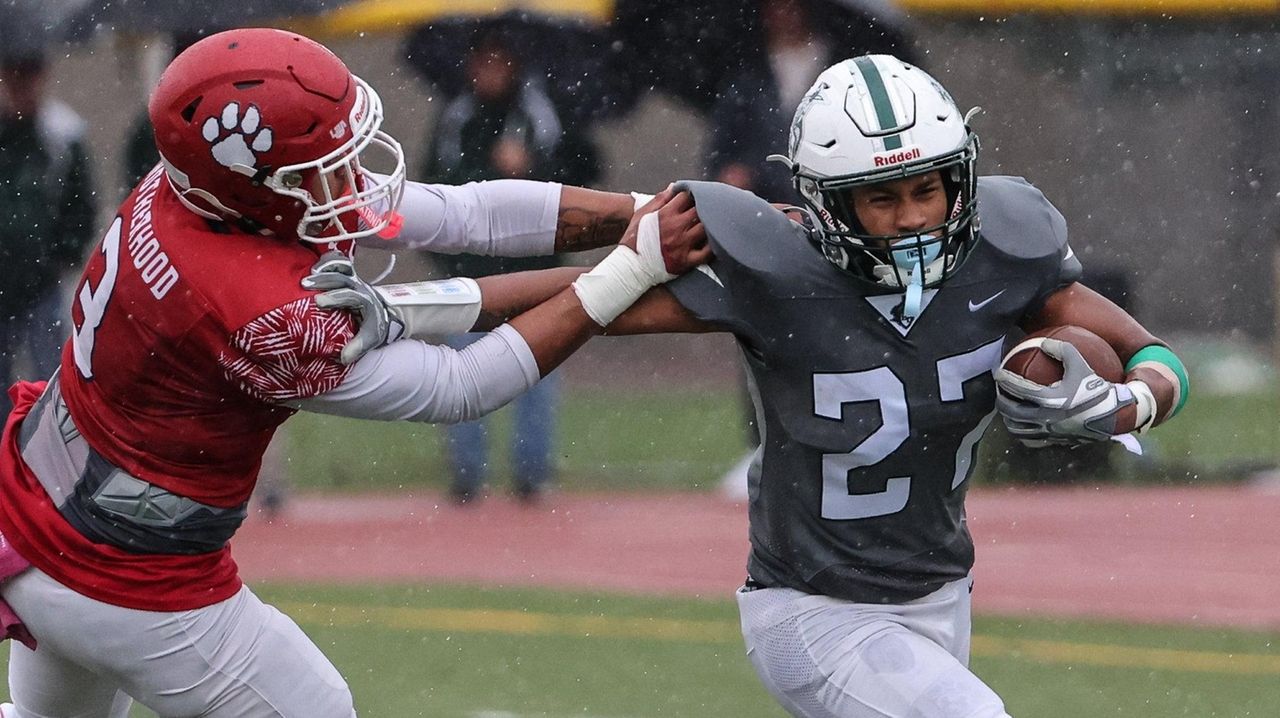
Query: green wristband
[1162, 355]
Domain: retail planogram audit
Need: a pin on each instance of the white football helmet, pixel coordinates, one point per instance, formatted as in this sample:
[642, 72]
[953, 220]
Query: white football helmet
[872, 119]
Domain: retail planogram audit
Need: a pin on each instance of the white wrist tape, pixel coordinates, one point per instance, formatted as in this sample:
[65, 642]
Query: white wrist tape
[433, 309]
[641, 200]
[618, 281]
[612, 286]
[649, 247]
[1146, 405]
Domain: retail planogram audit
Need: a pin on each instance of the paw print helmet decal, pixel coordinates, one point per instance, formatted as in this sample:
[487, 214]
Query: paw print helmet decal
[270, 129]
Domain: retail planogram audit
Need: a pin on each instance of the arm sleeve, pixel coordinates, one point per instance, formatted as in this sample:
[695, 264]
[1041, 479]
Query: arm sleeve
[1063, 268]
[499, 218]
[750, 242]
[706, 292]
[414, 381]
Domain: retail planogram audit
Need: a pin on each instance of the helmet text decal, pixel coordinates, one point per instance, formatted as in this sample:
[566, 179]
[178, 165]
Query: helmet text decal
[896, 157]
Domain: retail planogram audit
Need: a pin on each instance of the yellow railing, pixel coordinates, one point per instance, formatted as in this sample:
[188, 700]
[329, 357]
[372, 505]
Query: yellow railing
[398, 15]
[1096, 7]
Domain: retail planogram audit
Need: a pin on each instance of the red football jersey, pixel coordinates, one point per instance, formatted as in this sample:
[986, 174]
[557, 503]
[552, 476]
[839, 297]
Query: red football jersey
[186, 333]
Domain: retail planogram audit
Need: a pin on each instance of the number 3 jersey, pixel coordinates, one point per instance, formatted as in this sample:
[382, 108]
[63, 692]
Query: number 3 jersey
[869, 422]
[187, 335]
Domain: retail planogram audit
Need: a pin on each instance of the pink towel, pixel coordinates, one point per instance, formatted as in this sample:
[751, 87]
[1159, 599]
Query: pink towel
[11, 564]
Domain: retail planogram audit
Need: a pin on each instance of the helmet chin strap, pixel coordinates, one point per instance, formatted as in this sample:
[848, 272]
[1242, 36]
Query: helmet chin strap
[922, 264]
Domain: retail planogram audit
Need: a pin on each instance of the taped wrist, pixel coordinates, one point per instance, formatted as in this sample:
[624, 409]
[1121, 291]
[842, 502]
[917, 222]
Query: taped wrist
[1145, 405]
[621, 278]
[1165, 363]
[433, 309]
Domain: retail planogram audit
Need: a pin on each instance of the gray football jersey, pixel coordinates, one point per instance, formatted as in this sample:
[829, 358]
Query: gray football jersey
[869, 423]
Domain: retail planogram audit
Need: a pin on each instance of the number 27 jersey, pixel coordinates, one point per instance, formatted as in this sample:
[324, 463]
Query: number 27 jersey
[869, 422]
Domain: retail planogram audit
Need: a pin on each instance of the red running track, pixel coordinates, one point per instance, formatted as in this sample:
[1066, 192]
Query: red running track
[1170, 555]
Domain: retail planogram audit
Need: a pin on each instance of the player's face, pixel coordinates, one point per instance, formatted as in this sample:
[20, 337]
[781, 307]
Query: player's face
[330, 185]
[901, 206]
[327, 187]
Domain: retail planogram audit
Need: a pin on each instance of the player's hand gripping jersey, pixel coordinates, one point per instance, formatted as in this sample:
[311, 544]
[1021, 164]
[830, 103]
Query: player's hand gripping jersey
[869, 422]
[175, 381]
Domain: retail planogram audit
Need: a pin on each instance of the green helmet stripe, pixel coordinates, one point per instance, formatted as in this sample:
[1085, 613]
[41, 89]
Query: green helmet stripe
[880, 100]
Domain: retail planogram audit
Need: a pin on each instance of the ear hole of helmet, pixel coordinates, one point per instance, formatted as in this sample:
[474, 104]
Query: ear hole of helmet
[189, 112]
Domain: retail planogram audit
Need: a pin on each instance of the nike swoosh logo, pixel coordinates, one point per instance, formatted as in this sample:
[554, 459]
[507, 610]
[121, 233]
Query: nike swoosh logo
[975, 307]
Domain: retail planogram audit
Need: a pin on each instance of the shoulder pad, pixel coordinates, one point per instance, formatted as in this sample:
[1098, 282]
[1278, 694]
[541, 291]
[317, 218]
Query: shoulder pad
[748, 230]
[1018, 220]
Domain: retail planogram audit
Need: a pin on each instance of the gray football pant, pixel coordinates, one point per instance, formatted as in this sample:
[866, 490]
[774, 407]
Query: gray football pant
[236, 659]
[822, 657]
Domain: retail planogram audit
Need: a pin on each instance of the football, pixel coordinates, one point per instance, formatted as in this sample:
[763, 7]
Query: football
[1043, 369]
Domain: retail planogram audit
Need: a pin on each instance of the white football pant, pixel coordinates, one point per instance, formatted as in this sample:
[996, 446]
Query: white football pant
[236, 659]
[822, 657]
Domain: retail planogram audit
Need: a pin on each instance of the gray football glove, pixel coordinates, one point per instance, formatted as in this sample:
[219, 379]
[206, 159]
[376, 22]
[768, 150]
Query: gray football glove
[415, 310]
[335, 277]
[1081, 407]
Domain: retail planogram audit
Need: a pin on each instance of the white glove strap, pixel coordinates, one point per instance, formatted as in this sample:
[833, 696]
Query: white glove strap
[1146, 405]
[433, 309]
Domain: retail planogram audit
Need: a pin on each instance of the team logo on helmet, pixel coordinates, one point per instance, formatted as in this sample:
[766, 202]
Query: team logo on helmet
[236, 138]
[815, 94]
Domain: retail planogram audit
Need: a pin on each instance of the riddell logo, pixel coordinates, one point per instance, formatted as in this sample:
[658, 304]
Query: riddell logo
[893, 158]
[358, 109]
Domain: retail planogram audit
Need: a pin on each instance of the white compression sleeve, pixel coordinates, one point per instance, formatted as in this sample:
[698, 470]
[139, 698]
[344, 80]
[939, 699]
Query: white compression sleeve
[501, 218]
[414, 381]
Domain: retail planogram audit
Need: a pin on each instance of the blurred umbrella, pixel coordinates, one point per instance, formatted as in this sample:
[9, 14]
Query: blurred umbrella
[27, 26]
[364, 16]
[567, 52]
[689, 50]
[83, 18]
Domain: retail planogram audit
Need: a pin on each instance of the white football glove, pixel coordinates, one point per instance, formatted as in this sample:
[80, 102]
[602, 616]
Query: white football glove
[1081, 407]
[415, 310]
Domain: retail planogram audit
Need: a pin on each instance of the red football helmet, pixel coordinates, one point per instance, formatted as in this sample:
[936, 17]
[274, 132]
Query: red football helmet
[270, 128]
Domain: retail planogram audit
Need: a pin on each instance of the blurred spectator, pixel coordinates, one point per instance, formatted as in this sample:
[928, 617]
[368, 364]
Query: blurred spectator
[46, 212]
[140, 146]
[139, 152]
[753, 105]
[504, 125]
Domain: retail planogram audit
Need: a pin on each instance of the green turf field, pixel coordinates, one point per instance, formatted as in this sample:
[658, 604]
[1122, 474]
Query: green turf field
[484, 653]
[685, 440]
[668, 440]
